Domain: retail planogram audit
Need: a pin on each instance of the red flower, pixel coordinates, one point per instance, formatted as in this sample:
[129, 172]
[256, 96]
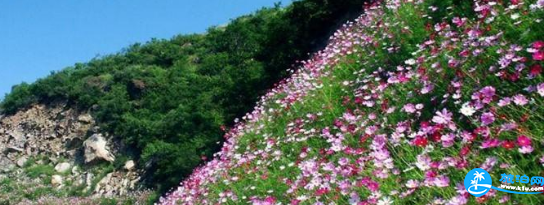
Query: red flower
[514, 2]
[524, 141]
[464, 151]
[436, 137]
[421, 141]
[536, 70]
[321, 191]
[508, 145]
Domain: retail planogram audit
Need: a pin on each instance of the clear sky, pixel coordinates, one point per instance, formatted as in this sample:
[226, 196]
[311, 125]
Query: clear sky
[39, 36]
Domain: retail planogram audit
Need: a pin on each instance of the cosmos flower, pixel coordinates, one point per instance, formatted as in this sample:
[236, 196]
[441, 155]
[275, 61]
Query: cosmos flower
[540, 89]
[442, 117]
[385, 201]
[409, 108]
[538, 56]
[442, 181]
[504, 102]
[526, 149]
[490, 143]
[524, 140]
[487, 118]
[508, 144]
[412, 184]
[520, 99]
[467, 109]
[538, 44]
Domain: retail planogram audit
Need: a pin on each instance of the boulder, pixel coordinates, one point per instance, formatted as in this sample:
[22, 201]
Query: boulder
[56, 180]
[96, 148]
[85, 118]
[63, 167]
[129, 165]
[75, 170]
[21, 161]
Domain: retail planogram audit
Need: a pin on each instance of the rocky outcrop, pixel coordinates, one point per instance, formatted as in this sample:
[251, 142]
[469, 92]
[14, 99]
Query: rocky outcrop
[61, 144]
[96, 148]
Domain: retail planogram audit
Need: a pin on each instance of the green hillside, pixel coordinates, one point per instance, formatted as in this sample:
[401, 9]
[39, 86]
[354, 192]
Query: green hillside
[169, 99]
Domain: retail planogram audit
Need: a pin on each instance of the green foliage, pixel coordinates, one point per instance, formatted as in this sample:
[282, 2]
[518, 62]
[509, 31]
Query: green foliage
[39, 170]
[169, 98]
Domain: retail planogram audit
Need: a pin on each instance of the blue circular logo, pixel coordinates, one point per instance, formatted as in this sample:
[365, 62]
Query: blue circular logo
[478, 182]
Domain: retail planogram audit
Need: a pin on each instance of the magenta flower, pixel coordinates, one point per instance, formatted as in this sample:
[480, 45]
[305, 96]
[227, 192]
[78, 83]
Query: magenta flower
[524, 140]
[538, 44]
[488, 91]
[490, 143]
[538, 55]
[487, 118]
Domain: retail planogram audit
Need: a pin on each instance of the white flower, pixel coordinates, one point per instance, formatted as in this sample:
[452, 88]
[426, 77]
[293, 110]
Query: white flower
[410, 62]
[467, 109]
[514, 16]
[385, 201]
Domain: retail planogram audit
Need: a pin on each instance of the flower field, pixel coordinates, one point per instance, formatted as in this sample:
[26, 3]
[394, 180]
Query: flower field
[402, 103]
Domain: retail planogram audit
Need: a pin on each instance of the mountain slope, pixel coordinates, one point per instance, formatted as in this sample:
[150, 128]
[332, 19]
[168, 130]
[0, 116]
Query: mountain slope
[168, 99]
[402, 103]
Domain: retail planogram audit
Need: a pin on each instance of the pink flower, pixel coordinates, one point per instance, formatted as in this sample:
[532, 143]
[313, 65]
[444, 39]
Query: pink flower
[490, 143]
[448, 140]
[487, 118]
[442, 117]
[412, 184]
[442, 181]
[540, 89]
[409, 108]
[524, 141]
[538, 55]
[526, 149]
[504, 102]
[520, 99]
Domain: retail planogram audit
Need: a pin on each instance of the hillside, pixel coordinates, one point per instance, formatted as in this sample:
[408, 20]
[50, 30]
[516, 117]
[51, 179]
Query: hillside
[402, 103]
[165, 102]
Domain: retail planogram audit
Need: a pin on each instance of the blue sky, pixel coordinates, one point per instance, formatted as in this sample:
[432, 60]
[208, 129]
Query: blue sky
[39, 36]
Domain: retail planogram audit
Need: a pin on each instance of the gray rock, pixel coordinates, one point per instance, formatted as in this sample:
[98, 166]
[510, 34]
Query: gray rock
[96, 148]
[56, 180]
[22, 161]
[85, 118]
[63, 167]
[130, 165]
